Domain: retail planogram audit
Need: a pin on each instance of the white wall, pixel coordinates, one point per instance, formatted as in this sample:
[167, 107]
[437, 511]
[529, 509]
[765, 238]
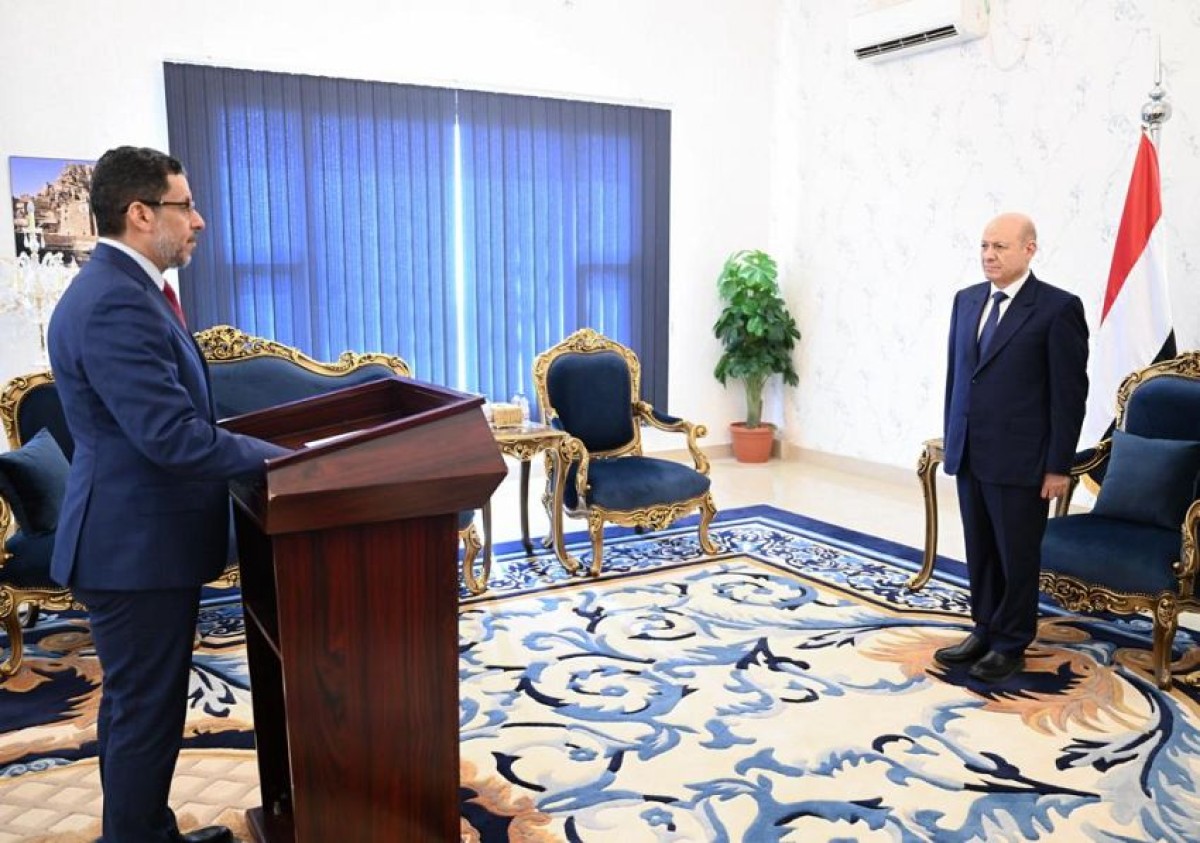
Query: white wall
[80, 77]
[885, 174]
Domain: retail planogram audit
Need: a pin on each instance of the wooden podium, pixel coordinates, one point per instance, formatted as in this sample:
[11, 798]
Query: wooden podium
[348, 552]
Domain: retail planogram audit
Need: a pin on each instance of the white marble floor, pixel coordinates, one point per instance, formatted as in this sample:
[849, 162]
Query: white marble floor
[882, 501]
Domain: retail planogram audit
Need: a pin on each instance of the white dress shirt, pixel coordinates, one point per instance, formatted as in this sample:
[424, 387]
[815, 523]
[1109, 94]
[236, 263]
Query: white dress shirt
[1011, 291]
[142, 261]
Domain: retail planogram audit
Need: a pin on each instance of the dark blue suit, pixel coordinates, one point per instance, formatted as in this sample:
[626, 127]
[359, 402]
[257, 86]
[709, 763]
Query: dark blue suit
[145, 521]
[1011, 417]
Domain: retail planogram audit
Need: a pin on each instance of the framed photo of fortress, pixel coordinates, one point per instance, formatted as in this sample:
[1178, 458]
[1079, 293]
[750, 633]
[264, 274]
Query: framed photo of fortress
[50, 206]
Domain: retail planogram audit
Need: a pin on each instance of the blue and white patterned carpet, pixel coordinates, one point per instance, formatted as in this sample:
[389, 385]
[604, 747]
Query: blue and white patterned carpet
[781, 691]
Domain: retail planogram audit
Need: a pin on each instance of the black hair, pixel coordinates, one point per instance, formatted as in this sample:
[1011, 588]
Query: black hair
[125, 175]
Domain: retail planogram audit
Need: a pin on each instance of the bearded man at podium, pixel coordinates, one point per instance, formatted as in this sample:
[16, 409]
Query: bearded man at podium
[145, 520]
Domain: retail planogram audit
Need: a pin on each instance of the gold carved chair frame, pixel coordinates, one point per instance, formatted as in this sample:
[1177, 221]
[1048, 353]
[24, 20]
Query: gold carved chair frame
[572, 450]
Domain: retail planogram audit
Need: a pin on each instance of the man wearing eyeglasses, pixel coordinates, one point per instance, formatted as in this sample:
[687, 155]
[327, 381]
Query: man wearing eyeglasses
[145, 520]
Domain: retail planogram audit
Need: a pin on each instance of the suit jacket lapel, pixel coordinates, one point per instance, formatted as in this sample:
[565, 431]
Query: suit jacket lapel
[1018, 314]
[131, 268]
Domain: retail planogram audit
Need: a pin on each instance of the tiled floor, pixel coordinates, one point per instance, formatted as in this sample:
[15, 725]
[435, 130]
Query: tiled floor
[63, 805]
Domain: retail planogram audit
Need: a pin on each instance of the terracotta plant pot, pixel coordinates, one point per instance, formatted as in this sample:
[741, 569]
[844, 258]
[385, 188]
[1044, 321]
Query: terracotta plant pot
[752, 444]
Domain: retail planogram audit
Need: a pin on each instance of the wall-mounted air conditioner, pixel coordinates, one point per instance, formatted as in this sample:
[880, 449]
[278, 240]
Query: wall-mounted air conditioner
[910, 26]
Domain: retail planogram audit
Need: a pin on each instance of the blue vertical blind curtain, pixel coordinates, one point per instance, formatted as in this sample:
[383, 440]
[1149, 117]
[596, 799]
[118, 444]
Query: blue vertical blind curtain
[329, 206]
[564, 213]
[343, 215]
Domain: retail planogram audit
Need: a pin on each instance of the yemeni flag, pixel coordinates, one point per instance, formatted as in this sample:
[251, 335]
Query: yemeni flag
[1135, 325]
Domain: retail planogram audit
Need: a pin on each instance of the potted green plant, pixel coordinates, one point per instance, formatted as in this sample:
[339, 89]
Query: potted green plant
[758, 335]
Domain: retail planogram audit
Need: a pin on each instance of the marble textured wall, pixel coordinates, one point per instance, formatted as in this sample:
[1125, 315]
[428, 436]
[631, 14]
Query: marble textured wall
[883, 176]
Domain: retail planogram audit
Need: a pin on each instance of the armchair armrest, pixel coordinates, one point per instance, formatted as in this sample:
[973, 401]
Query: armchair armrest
[573, 450]
[1090, 459]
[671, 424]
[658, 419]
[1082, 465]
[6, 528]
[1185, 568]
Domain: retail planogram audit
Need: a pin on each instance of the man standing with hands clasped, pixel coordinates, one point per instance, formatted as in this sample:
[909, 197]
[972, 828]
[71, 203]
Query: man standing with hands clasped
[1016, 384]
[145, 520]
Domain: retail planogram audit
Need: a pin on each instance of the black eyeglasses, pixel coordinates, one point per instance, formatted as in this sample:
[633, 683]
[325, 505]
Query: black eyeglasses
[186, 204]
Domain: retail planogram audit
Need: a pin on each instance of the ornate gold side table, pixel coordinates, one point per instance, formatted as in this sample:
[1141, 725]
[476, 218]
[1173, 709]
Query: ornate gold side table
[524, 442]
[931, 457]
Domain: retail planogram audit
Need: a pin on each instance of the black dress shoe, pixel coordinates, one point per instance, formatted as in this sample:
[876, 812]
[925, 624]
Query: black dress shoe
[996, 667]
[210, 834]
[966, 651]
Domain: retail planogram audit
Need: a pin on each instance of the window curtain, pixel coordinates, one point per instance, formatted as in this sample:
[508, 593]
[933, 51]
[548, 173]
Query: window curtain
[329, 207]
[565, 225]
[464, 231]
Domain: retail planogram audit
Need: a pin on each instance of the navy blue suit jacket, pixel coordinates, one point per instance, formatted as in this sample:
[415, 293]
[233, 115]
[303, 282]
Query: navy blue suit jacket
[147, 501]
[1016, 413]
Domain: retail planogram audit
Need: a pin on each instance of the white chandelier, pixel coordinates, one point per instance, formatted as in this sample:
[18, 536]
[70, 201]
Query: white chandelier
[32, 283]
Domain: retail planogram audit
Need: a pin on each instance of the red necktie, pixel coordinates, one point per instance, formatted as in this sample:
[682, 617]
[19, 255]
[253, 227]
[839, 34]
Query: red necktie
[174, 302]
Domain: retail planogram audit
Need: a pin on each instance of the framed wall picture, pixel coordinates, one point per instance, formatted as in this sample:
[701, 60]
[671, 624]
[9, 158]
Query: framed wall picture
[50, 206]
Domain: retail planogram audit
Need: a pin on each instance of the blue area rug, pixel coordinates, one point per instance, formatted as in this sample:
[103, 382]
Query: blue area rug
[782, 691]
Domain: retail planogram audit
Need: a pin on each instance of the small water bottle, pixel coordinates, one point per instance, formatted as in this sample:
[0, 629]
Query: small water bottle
[520, 401]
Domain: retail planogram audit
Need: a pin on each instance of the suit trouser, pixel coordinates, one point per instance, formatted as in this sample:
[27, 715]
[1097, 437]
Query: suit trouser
[1002, 531]
[144, 641]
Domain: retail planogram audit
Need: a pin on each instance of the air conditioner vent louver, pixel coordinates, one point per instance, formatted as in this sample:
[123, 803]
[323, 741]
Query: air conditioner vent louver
[907, 42]
[905, 27]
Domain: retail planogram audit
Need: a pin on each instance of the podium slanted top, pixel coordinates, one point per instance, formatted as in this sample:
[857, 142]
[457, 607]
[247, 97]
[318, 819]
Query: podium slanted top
[387, 449]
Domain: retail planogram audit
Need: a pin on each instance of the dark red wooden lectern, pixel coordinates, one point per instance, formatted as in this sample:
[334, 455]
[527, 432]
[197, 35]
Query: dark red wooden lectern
[348, 553]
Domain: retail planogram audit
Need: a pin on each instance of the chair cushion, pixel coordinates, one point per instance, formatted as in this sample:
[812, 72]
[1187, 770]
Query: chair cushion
[593, 396]
[29, 566]
[628, 483]
[1151, 481]
[33, 479]
[40, 408]
[255, 383]
[1165, 407]
[1119, 555]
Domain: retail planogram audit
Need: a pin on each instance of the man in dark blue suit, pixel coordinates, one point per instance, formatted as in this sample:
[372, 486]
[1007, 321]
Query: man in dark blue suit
[145, 521]
[1015, 392]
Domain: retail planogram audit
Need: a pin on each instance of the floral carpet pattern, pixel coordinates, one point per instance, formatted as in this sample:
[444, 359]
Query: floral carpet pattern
[783, 690]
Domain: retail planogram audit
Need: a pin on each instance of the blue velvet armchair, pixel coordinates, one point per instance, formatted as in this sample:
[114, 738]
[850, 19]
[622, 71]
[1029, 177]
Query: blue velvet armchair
[588, 385]
[1136, 550]
[33, 478]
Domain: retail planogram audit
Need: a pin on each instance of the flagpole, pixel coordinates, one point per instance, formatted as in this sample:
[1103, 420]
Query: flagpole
[1157, 111]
